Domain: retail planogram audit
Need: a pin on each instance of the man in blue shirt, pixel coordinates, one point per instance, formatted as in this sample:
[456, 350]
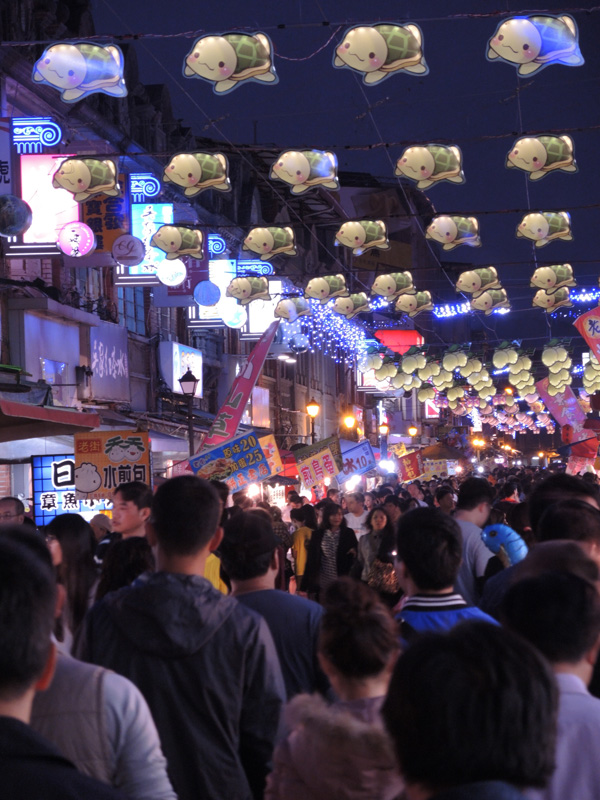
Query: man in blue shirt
[250, 557]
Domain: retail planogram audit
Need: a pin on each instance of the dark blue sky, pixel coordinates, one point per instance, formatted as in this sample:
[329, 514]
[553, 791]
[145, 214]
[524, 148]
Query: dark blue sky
[465, 100]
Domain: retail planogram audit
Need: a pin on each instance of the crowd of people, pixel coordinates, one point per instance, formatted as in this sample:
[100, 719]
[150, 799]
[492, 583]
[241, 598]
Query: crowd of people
[368, 646]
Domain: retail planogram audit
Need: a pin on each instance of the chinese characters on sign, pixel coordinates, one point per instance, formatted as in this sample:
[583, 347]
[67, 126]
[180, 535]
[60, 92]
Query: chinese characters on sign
[54, 490]
[588, 325]
[110, 365]
[410, 467]
[357, 461]
[104, 460]
[319, 461]
[108, 217]
[239, 462]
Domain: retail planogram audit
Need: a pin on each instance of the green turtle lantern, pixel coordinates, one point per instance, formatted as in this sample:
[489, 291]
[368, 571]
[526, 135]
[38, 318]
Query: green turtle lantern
[551, 301]
[490, 300]
[378, 51]
[363, 235]
[291, 308]
[533, 42]
[198, 171]
[431, 163]
[544, 227]
[477, 281]
[306, 169]
[78, 69]
[454, 231]
[176, 241]
[249, 288]
[393, 284]
[350, 306]
[413, 304]
[554, 277]
[539, 155]
[323, 289]
[270, 242]
[229, 59]
[87, 177]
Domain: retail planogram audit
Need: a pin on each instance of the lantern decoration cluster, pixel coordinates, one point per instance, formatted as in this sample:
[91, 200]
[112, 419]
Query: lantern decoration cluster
[306, 169]
[591, 375]
[291, 308]
[452, 231]
[486, 290]
[557, 360]
[553, 287]
[377, 51]
[350, 306]
[429, 164]
[86, 177]
[249, 288]
[325, 288]
[177, 240]
[519, 368]
[539, 155]
[271, 242]
[363, 235]
[543, 227]
[78, 69]
[197, 171]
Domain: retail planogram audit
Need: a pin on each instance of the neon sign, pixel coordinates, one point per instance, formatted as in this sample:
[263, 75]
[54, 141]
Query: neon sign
[32, 134]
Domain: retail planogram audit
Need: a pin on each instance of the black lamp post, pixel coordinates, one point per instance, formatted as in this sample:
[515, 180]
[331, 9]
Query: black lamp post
[188, 383]
[312, 409]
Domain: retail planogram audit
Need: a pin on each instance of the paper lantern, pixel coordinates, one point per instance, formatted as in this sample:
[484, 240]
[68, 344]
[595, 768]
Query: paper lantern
[299, 343]
[377, 51]
[544, 226]
[270, 242]
[349, 307]
[80, 69]
[454, 231]
[291, 308]
[247, 289]
[128, 250]
[229, 59]
[413, 304]
[490, 300]
[306, 169]
[399, 340]
[477, 281]
[232, 313]
[15, 215]
[533, 42]
[87, 177]
[171, 273]
[551, 301]
[393, 285]
[76, 239]
[431, 163]
[176, 241]
[551, 278]
[323, 289]
[539, 155]
[195, 172]
[207, 293]
[363, 235]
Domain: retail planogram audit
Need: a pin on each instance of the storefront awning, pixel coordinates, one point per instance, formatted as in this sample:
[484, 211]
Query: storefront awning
[25, 421]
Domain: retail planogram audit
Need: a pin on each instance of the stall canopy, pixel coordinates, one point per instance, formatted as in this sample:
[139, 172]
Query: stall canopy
[25, 421]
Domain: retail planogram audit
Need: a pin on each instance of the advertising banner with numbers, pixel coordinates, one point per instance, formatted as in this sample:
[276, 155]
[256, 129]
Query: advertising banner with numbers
[237, 463]
[54, 490]
[104, 460]
[357, 461]
[319, 461]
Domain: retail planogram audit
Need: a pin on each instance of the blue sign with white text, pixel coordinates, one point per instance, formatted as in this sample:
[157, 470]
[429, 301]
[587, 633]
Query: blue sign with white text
[357, 461]
[54, 490]
[238, 462]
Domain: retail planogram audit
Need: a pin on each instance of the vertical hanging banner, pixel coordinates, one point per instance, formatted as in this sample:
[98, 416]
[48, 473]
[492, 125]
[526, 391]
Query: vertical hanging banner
[566, 411]
[588, 325]
[272, 454]
[319, 461]
[227, 420]
[410, 467]
[104, 460]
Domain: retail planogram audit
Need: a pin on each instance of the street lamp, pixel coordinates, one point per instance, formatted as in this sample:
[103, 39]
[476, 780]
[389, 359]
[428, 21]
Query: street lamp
[477, 444]
[384, 429]
[412, 431]
[188, 383]
[312, 409]
[349, 420]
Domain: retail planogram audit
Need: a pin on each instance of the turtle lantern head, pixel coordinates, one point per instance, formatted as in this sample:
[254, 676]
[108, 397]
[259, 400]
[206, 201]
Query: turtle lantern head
[292, 167]
[212, 58]
[184, 170]
[416, 163]
[62, 66]
[363, 49]
[517, 40]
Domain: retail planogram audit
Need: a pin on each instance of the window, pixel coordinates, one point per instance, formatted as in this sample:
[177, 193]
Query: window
[132, 309]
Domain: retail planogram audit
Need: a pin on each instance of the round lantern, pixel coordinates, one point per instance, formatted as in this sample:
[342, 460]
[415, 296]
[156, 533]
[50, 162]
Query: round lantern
[15, 215]
[207, 293]
[76, 239]
[171, 273]
[128, 250]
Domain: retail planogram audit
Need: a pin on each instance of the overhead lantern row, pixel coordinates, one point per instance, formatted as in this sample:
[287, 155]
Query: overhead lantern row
[376, 52]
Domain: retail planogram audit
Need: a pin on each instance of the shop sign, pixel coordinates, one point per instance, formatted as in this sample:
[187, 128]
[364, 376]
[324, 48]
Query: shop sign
[319, 461]
[357, 461]
[109, 363]
[410, 467]
[105, 459]
[54, 490]
[237, 463]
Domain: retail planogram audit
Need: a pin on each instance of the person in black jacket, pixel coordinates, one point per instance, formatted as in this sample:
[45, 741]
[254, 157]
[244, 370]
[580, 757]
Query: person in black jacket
[331, 552]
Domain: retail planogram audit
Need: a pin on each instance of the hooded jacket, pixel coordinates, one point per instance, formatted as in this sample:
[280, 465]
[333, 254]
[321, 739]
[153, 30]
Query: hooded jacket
[340, 751]
[209, 671]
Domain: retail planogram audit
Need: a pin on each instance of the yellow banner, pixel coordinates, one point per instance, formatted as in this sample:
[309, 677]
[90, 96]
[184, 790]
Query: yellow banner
[104, 460]
[271, 451]
[315, 469]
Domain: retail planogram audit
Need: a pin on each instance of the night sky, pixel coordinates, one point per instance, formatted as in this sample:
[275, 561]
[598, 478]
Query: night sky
[480, 106]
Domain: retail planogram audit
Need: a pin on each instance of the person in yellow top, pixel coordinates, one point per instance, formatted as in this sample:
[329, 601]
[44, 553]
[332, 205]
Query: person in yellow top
[212, 573]
[304, 519]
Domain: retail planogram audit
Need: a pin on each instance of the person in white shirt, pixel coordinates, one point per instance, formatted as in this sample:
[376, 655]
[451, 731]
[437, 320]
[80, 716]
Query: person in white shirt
[559, 613]
[357, 514]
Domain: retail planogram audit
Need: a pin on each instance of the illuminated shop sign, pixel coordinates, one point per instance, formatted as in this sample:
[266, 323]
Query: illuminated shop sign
[146, 219]
[33, 134]
[54, 490]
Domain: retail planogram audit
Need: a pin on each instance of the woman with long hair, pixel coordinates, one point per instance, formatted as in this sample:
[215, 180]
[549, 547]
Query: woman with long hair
[342, 750]
[76, 570]
[331, 552]
[378, 525]
[125, 560]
